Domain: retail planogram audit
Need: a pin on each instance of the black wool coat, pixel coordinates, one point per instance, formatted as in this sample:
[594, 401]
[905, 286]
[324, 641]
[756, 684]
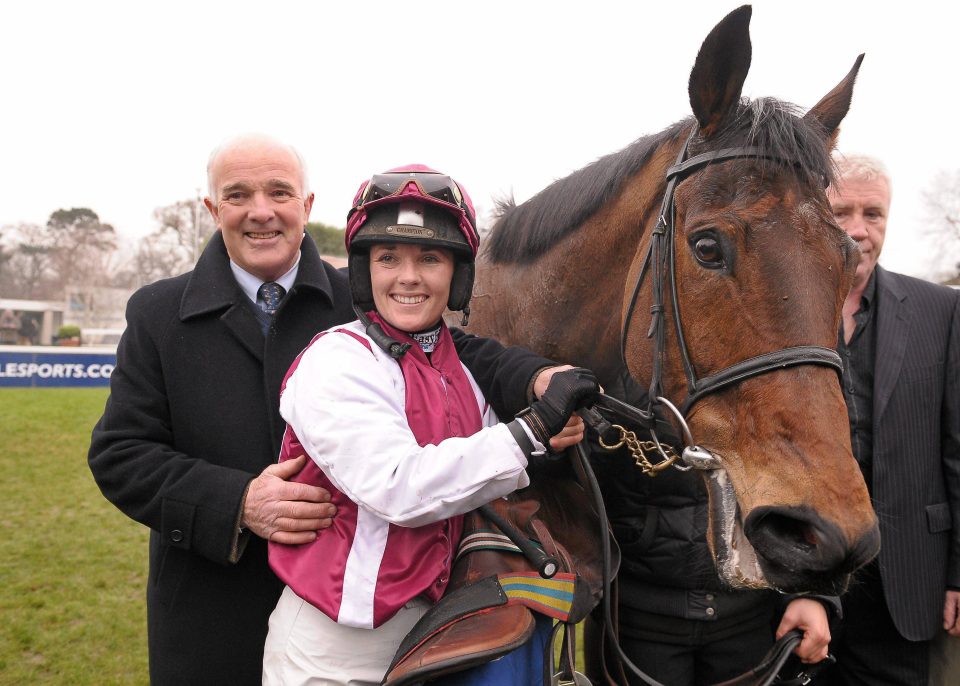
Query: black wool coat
[192, 417]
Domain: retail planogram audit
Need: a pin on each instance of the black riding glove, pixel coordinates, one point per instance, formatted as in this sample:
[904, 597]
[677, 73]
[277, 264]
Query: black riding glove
[568, 391]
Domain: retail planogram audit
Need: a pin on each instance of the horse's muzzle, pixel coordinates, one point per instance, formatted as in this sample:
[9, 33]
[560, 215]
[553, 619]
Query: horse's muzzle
[799, 551]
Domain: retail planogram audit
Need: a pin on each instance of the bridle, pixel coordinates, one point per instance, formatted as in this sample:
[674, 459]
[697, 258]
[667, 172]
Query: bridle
[660, 261]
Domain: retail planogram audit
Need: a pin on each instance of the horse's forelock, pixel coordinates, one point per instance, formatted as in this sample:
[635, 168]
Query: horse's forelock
[779, 130]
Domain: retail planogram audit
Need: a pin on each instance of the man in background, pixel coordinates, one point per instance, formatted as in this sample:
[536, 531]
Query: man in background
[900, 343]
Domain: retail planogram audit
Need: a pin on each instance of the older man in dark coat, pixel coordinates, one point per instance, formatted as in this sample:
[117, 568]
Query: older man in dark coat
[900, 343]
[189, 439]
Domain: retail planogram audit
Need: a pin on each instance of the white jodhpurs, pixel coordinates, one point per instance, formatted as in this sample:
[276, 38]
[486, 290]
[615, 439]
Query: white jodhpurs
[305, 647]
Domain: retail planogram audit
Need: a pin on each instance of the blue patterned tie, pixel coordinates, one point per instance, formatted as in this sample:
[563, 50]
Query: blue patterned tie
[271, 293]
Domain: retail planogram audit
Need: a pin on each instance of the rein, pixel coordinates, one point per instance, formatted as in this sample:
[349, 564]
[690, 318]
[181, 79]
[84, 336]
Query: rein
[660, 261]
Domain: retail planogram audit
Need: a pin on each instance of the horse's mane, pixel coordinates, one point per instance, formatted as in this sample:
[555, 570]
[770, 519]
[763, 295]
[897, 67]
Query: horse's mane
[523, 232]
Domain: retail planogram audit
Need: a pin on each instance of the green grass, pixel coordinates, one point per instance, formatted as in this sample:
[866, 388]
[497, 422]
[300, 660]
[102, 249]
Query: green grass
[72, 567]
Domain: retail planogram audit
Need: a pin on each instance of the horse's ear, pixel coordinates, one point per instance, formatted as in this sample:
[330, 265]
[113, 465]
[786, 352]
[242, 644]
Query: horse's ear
[833, 107]
[717, 77]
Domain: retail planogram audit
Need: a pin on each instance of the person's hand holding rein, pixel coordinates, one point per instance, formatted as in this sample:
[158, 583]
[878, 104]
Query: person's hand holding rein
[567, 390]
[569, 436]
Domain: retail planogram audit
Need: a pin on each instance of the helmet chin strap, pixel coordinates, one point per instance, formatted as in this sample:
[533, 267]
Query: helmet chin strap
[394, 349]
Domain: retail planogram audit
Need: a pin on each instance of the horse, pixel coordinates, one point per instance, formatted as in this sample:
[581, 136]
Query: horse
[721, 218]
[718, 229]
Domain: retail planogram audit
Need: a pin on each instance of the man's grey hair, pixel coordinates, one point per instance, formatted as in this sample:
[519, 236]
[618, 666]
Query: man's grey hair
[861, 168]
[253, 139]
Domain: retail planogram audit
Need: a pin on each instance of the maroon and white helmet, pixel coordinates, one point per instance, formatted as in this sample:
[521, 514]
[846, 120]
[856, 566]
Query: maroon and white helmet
[412, 204]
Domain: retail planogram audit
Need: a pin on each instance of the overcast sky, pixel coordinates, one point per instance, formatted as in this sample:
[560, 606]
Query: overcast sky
[116, 105]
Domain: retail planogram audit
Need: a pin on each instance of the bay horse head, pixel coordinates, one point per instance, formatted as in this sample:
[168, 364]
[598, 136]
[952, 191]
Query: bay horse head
[704, 260]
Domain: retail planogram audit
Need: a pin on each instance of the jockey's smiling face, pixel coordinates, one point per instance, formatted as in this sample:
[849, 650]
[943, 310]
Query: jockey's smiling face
[411, 283]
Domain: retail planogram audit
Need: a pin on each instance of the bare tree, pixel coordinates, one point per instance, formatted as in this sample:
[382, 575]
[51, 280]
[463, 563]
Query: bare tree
[74, 248]
[7, 243]
[188, 222]
[82, 248]
[5, 252]
[29, 270]
[160, 255]
[174, 246]
[942, 207]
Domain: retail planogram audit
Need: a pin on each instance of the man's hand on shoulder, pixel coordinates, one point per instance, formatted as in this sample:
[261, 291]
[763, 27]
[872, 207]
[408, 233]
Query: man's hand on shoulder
[282, 511]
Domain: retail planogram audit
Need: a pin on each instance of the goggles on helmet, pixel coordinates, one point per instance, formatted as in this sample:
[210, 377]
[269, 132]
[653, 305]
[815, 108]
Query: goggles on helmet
[415, 183]
[437, 186]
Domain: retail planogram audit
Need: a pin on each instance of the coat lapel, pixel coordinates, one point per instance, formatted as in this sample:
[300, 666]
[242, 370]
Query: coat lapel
[893, 326]
[311, 276]
[243, 324]
[213, 288]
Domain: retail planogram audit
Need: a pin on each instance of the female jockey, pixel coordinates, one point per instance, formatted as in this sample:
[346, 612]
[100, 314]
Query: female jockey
[401, 436]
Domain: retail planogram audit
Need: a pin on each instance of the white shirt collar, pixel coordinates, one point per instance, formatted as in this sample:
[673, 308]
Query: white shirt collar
[250, 284]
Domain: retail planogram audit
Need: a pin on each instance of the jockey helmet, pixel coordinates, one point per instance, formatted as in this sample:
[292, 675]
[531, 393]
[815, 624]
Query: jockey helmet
[412, 204]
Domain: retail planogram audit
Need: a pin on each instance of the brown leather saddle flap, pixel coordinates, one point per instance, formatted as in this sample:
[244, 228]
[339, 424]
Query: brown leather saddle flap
[464, 643]
[472, 625]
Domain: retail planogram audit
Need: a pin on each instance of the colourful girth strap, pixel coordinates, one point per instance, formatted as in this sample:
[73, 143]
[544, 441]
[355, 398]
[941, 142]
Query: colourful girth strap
[552, 597]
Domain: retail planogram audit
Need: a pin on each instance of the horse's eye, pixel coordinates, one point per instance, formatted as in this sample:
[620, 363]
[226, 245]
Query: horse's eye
[708, 253]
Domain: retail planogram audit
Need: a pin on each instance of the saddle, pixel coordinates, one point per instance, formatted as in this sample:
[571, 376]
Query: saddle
[487, 610]
[494, 588]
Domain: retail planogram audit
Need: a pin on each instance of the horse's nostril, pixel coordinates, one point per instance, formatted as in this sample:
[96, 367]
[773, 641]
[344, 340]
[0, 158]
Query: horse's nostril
[771, 526]
[800, 551]
[795, 537]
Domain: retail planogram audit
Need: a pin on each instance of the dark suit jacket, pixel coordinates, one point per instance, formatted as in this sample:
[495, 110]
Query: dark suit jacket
[192, 417]
[916, 448]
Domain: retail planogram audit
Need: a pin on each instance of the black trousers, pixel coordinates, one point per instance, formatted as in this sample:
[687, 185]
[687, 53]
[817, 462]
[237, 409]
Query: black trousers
[692, 652]
[869, 649]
